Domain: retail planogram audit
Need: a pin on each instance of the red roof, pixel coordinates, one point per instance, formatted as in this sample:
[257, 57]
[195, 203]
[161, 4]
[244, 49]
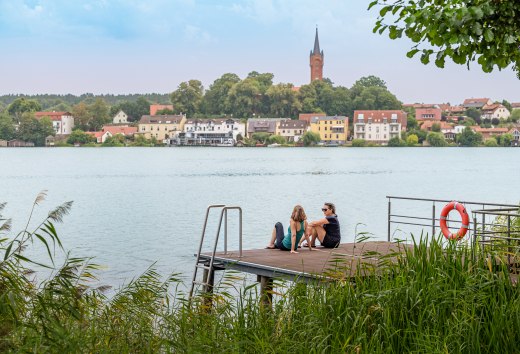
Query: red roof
[123, 130]
[96, 134]
[427, 125]
[476, 100]
[51, 115]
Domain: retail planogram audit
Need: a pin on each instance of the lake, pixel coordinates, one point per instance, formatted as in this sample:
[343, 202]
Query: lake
[136, 206]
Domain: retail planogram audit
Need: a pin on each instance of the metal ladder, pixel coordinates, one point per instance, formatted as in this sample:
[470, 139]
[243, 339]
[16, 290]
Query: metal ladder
[209, 266]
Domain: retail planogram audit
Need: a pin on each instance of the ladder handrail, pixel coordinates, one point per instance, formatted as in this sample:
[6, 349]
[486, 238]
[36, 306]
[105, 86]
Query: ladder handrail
[223, 216]
[202, 240]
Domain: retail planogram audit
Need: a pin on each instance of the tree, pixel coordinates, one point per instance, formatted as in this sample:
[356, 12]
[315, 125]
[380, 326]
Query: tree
[7, 131]
[283, 101]
[81, 116]
[368, 81]
[474, 113]
[375, 98]
[358, 143]
[245, 99]
[22, 105]
[34, 130]
[78, 136]
[491, 142]
[100, 113]
[505, 139]
[260, 137]
[309, 98]
[188, 97]
[411, 122]
[515, 115]
[115, 140]
[495, 121]
[506, 104]
[436, 139]
[412, 140]
[276, 139]
[469, 138]
[215, 99]
[310, 138]
[134, 110]
[396, 142]
[436, 127]
[463, 30]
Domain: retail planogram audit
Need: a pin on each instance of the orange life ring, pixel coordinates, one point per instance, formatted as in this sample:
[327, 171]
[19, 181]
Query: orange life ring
[465, 221]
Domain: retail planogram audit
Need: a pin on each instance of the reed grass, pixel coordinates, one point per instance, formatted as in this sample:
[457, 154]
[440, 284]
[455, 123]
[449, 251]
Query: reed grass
[435, 298]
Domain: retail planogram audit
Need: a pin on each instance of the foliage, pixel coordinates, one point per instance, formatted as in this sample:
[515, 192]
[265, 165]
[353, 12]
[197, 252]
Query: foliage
[469, 138]
[78, 136]
[421, 134]
[433, 298]
[114, 141]
[276, 139]
[22, 105]
[505, 139]
[436, 139]
[411, 122]
[134, 109]
[474, 113]
[260, 137]
[436, 127]
[412, 140]
[310, 138]
[396, 142]
[215, 98]
[140, 140]
[515, 115]
[188, 97]
[34, 130]
[283, 101]
[463, 30]
[358, 143]
[7, 131]
[491, 142]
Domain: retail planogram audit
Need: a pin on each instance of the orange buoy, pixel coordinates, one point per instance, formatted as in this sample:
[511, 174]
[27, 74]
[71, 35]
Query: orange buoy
[444, 216]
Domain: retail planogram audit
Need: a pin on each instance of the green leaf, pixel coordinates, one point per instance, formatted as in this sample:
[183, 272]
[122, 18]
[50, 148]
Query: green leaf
[412, 52]
[25, 259]
[425, 58]
[488, 35]
[372, 4]
[42, 239]
[384, 10]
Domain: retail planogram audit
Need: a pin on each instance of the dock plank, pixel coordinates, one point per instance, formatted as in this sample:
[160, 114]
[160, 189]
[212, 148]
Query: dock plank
[307, 265]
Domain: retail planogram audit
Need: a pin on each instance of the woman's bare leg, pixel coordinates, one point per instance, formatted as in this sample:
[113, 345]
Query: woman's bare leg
[318, 232]
[273, 238]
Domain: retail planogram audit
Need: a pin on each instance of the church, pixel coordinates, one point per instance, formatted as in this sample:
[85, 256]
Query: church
[316, 60]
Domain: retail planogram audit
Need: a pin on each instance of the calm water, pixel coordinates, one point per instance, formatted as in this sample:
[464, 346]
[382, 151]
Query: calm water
[136, 206]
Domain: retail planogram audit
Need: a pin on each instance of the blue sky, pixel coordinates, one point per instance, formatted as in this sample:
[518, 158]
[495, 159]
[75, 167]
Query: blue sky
[115, 46]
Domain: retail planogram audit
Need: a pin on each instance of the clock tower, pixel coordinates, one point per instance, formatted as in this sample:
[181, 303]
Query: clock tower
[316, 60]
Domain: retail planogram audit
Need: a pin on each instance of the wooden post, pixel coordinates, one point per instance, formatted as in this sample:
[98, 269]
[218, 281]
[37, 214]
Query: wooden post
[209, 279]
[266, 288]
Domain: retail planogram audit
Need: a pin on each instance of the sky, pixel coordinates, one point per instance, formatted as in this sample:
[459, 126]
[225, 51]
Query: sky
[134, 46]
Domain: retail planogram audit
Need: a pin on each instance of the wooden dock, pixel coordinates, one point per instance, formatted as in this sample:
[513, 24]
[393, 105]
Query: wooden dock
[344, 262]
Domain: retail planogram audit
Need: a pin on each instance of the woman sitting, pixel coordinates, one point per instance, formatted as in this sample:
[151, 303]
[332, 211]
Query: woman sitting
[291, 240]
[326, 230]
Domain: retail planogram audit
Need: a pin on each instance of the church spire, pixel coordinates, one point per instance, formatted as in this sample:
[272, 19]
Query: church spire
[316, 60]
[316, 43]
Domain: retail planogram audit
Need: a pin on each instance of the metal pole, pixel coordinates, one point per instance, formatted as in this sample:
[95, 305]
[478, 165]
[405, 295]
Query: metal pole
[433, 220]
[240, 231]
[225, 232]
[474, 236]
[509, 241]
[389, 217]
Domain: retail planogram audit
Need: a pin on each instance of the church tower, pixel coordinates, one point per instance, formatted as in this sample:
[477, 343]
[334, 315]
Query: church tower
[316, 60]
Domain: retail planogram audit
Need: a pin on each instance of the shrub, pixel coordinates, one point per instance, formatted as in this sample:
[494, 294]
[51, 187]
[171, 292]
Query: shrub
[358, 143]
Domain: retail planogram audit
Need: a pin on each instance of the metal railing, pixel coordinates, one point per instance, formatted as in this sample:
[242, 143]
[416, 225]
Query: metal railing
[432, 220]
[209, 267]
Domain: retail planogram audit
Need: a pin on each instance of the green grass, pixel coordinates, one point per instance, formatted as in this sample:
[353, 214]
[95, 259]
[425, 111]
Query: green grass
[434, 299]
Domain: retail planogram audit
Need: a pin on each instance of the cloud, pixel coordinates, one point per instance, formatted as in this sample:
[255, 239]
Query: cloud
[196, 34]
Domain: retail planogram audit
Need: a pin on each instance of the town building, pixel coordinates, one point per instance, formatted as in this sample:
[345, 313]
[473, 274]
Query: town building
[332, 129]
[161, 127]
[316, 60]
[489, 132]
[154, 108]
[308, 116]
[292, 130]
[428, 126]
[495, 110]
[120, 118]
[430, 113]
[62, 122]
[3, 143]
[379, 126]
[262, 125]
[100, 136]
[220, 131]
[515, 132]
[124, 130]
[19, 143]
[476, 102]
[515, 105]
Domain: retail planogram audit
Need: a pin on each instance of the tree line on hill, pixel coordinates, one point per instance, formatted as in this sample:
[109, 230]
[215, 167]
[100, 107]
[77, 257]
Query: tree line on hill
[254, 96]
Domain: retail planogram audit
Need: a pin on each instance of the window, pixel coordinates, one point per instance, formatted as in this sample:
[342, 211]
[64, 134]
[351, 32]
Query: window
[337, 136]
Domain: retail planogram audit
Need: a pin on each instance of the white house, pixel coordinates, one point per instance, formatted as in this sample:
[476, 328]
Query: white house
[495, 111]
[379, 126]
[101, 137]
[220, 131]
[62, 122]
[120, 118]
